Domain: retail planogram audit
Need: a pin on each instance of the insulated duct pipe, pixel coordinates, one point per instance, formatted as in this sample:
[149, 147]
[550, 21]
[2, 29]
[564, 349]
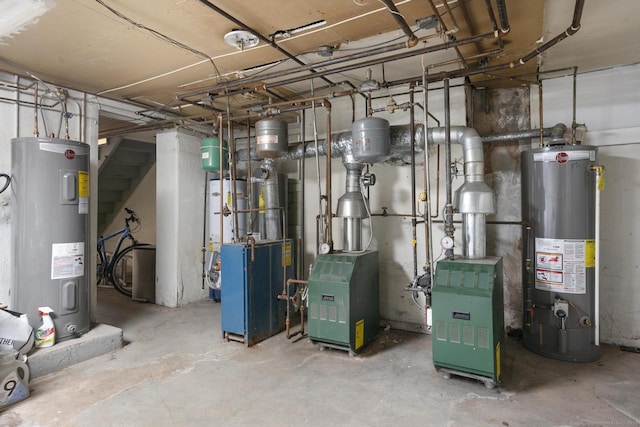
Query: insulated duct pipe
[400, 143]
[271, 200]
[474, 199]
[340, 143]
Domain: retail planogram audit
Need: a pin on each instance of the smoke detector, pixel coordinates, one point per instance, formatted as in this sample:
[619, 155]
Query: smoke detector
[241, 39]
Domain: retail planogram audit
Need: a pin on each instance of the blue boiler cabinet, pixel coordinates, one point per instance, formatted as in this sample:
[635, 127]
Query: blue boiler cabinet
[253, 278]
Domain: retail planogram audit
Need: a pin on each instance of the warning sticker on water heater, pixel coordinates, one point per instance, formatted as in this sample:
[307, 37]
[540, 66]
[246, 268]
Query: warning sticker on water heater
[67, 260]
[561, 265]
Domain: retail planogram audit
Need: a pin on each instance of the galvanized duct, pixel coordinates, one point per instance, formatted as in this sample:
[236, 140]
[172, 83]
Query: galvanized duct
[556, 133]
[340, 143]
[400, 144]
[474, 199]
[272, 200]
[351, 207]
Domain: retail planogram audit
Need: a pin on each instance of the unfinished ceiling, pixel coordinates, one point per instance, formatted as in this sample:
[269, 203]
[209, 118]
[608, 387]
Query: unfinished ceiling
[171, 55]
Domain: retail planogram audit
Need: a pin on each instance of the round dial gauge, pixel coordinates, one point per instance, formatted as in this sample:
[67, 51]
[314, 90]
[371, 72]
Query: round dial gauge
[446, 242]
[325, 248]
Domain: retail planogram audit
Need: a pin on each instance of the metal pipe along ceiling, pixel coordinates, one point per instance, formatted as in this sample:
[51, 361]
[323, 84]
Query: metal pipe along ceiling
[260, 36]
[412, 39]
[235, 84]
[571, 30]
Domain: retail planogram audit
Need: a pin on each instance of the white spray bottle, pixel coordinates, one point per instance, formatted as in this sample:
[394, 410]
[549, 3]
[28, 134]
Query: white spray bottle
[46, 333]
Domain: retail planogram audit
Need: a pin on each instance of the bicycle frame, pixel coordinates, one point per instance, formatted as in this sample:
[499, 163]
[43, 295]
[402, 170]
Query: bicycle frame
[102, 252]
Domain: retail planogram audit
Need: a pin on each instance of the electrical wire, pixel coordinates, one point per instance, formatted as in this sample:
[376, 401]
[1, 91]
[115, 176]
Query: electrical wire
[7, 182]
[160, 35]
[392, 11]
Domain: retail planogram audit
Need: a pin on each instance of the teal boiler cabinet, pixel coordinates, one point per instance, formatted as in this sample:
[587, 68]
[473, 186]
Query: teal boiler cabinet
[344, 307]
[251, 280]
[468, 318]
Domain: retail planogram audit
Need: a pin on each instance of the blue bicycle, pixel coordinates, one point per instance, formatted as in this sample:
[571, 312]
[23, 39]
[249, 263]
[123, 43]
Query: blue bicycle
[117, 268]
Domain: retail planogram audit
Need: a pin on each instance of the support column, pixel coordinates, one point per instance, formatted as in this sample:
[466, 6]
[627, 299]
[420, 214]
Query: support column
[179, 218]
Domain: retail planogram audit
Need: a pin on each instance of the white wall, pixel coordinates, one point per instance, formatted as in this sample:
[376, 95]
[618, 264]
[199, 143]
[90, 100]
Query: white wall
[143, 202]
[179, 218]
[608, 102]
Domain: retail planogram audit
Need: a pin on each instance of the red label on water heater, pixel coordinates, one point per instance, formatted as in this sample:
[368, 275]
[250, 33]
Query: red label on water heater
[70, 154]
[562, 157]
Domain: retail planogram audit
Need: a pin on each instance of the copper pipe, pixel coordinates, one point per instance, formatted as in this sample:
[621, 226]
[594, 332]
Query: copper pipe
[574, 125]
[541, 113]
[455, 61]
[220, 144]
[249, 179]
[285, 297]
[252, 243]
[327, 107]
[412, 145]
[515, 64]
[370, 53]
[412, 39]
[437, 187]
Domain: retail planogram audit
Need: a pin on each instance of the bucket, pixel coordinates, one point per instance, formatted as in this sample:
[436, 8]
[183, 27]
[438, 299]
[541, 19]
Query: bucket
[14, 379]
[210, 154]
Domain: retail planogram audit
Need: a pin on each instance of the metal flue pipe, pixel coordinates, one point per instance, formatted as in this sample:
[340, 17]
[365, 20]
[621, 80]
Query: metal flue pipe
[474, 199]
[272, 200]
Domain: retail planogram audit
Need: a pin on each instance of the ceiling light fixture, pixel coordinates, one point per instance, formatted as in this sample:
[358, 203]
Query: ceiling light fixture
[288, 33]
[241, 39]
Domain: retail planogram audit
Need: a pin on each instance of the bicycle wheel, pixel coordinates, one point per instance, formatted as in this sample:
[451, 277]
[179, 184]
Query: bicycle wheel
[122, 270]
[102, 278]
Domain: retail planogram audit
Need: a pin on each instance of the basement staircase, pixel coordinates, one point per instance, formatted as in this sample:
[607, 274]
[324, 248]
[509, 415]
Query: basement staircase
[124, 163]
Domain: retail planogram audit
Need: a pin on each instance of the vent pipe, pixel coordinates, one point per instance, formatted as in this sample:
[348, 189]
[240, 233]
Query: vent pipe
[474, 199]
[271, 200]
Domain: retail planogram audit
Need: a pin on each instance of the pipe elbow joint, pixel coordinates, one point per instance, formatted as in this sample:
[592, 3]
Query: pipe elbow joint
[412, 41]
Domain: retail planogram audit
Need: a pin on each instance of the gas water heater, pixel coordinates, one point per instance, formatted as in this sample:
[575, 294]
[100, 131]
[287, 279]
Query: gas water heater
[558, 204]
[50, 218]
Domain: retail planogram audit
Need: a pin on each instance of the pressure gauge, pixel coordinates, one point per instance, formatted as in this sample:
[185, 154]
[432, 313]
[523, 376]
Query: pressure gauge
[325, 248]
[446, 242]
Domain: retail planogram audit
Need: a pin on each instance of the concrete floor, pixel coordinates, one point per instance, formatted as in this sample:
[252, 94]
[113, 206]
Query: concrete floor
[175, 370]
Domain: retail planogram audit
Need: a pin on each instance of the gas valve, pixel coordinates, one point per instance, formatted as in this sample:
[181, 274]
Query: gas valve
[368, 179]
[561, 308]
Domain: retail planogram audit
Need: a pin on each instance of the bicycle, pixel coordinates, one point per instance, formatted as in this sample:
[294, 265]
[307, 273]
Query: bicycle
[117, 269]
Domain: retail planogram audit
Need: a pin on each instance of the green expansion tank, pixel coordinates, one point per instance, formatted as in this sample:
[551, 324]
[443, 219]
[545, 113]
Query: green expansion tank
[468, 318]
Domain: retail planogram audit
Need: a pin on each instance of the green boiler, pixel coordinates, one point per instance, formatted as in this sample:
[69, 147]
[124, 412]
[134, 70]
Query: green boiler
[344, 307]
[468, 318]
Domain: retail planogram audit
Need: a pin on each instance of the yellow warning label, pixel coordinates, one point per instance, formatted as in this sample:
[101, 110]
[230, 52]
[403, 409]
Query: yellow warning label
[83, 184]
[590, 253]
[286, 254]
[228, 198]
[261, 201]
[498, 362]
[359, 333]
[600, 183]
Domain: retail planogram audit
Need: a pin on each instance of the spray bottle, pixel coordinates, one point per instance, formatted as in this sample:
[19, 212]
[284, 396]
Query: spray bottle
[46, 333]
